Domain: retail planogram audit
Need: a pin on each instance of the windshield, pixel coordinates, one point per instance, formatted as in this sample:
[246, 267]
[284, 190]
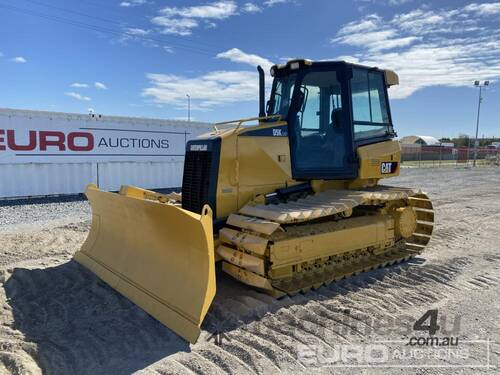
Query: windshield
[281, 95]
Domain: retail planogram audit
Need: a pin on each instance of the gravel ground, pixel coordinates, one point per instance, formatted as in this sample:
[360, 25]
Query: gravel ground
[25, 214]
[58, 318]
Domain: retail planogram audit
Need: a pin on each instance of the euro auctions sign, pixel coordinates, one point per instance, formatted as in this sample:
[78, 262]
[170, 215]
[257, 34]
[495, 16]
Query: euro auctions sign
[44, 137]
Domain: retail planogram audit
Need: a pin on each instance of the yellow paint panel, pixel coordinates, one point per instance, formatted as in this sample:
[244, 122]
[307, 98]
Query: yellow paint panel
[227, 179]
[357, 233]
[262, 167]
[372, 156]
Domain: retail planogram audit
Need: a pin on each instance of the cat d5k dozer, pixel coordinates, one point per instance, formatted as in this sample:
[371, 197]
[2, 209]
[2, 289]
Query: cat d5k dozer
[288, 204]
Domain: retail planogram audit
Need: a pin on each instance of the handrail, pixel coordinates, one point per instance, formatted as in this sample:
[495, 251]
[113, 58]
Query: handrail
[244, 120]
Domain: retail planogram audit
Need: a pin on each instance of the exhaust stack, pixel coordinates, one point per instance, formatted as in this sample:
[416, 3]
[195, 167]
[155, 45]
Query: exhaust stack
[262, 83]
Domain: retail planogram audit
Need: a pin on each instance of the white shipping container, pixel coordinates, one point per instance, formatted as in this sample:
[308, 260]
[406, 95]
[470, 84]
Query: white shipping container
[47, 153]
[146, 174]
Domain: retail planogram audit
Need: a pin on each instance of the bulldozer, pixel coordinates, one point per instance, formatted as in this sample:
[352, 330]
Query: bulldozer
[284, 202]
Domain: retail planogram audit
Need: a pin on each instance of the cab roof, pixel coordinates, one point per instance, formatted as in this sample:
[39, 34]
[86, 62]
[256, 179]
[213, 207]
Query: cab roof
[390, 76]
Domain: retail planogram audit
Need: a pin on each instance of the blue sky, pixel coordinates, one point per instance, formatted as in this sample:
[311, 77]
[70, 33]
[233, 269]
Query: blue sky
[141, 57]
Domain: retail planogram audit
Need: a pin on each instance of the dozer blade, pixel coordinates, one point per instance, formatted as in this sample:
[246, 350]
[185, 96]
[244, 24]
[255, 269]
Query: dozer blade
[158, 255]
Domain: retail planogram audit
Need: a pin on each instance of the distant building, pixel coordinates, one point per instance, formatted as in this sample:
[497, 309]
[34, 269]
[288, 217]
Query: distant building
[422, 140]
[447, 144]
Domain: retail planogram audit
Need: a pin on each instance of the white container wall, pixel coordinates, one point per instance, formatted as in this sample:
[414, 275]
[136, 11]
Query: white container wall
[29, 180]
[46, 153]
[149, 175]
[25, 180]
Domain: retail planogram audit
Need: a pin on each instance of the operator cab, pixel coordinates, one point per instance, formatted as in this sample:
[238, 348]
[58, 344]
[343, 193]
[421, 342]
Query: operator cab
[331, 108]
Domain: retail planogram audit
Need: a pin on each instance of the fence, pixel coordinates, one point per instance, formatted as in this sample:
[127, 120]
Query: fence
[437, 156]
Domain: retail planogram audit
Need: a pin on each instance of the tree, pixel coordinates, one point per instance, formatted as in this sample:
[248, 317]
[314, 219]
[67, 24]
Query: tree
[463, 140]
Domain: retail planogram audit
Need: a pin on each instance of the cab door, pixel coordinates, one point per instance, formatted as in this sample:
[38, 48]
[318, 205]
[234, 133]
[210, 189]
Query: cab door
[321, 140]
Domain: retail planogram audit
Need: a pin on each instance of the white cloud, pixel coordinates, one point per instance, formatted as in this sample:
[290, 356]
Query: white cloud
[100, 86]
[427, 22]
[182, 26]
[134, 31]
[79, 85]
[216, 10]
[181, 20]
[206, 91]
[237, 55]
[270, 3]
[1, 54]
[398, 2]
[484, 9]
[384, 2]
[366, 38]
[369, 23]
[168, 49]
[19, 60]
[376, 40]
[77, 96]
[211, 89]
[132, 3]
[251, 8]
[443, 47]
[137, 34]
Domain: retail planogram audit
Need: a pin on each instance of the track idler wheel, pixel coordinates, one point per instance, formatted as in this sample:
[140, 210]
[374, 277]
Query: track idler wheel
[405, 221]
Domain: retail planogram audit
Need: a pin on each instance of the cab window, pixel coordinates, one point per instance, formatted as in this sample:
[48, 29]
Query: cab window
[281, 95]
[319, 134]
[369, 104]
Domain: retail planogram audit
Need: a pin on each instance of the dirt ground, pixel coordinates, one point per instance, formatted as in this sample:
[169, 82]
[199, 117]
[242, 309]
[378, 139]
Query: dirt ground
[58, 318]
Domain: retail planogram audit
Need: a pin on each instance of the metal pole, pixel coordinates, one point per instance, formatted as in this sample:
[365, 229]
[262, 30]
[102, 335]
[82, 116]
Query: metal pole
[468, 150]
[477, 126]
[189, 107]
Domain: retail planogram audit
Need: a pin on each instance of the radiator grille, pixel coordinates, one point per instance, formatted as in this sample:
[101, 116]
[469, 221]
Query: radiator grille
[196, 180]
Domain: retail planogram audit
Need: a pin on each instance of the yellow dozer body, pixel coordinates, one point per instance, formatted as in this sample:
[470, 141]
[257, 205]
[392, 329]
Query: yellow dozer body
[289, 204]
